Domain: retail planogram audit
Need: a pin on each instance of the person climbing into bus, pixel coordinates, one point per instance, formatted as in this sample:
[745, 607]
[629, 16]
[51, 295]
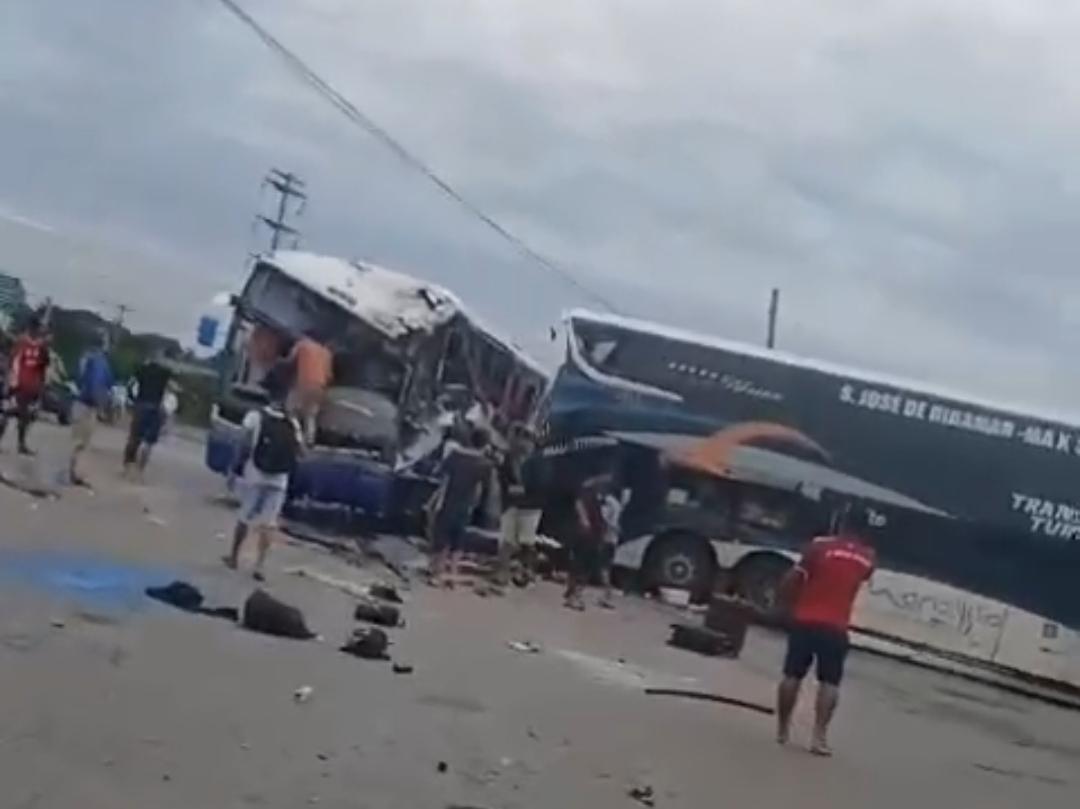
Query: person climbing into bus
[821, 591]
[275, 442]
[312, 364]
[26, 380]
[464, 473]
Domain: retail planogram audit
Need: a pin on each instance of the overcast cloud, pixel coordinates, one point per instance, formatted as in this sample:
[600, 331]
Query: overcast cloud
[905, 170]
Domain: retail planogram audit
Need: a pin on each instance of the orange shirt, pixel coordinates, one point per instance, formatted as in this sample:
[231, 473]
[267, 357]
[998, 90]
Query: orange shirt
[314, 365]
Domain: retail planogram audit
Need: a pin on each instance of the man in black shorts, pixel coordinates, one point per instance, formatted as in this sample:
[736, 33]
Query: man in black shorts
[822, 589]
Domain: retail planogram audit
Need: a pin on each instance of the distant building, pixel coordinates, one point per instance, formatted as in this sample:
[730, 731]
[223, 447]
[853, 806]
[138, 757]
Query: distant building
[12, 298]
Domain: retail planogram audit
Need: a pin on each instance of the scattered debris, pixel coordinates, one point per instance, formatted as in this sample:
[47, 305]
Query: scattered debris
[675, 596]
[704, 641]
[386, 592]
[768, 710]
[322, 756]
[526, 646]
[380, 614]
[532, 734]
[442, 766]
[402, 668]
[643, 795]
[179, 594]
[189, 598]
[266, 614]
[369, 643]
[346, 586]
[57, 623]
[158, 521]
[303, 693]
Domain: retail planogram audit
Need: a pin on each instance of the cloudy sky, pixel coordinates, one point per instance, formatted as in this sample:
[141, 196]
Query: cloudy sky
[907, 171]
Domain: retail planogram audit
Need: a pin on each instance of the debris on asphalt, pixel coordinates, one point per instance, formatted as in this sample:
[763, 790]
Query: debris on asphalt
[156, 520]
[386, 592]
[768, 710]
[643, 795]
[704, 641]
[303, 693]
[400, 556]
[675, 596]
[187, 597]
[266, 614]
[180, 594]
[57, 623]
[525, 646]
[442, 766]
[346, 586]
[379, 614]
[402, 668]
[369, 643]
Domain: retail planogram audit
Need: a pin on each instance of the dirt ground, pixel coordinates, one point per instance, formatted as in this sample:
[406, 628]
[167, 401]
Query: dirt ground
[114, 700]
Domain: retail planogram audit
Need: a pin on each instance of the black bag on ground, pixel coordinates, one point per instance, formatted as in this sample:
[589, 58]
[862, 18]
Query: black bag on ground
[178, 594]
[387, 592]
[369, 643]
[702, 640]
[264, 613]
[381, 614]
[276, 447]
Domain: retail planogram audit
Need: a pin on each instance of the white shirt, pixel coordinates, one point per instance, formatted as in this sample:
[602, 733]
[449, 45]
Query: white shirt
[252, 424]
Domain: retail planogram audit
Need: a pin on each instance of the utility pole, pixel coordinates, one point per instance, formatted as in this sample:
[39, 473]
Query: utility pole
[774, 311]
[289, 187]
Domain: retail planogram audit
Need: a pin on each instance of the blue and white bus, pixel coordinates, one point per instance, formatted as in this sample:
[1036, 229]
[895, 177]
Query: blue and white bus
[407, 356]
[733, 456]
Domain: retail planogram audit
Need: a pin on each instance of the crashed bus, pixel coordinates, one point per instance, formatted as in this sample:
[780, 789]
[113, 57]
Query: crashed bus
[732, 456]
[407, 358]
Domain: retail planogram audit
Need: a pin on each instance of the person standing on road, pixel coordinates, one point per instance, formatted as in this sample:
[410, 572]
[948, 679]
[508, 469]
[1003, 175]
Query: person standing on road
[464, 473]
[152, 379]
[611, 509]
[312, 365]
[95, 383]
[275, 439]
[522, 506]
[821, 589]
[586, 535]
[26, 380]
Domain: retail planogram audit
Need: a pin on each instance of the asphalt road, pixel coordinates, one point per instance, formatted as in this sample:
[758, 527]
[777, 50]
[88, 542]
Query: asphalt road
[112, 700]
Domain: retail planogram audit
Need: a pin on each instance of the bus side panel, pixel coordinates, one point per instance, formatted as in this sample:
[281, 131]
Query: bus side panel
[325, 478]
[350, 482]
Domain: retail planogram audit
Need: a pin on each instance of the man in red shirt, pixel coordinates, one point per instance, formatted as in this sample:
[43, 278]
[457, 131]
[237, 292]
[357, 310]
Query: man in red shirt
[26, 378]
[822, 590]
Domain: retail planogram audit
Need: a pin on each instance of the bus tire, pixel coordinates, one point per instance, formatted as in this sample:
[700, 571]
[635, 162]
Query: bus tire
[757, 579]
[684, 561]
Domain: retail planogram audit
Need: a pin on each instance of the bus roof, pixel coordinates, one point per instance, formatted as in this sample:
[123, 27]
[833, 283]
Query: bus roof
[822, 366]
[395, 303]
[392, 302]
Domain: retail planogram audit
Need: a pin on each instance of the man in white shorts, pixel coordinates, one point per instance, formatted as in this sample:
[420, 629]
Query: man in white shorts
[275, 440]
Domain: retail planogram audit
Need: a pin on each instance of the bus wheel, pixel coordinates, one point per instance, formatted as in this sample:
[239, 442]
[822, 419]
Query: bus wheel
[758, 581]
[682, 561]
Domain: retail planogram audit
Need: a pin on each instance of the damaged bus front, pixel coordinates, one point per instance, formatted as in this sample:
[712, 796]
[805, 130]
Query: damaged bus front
[405, 358]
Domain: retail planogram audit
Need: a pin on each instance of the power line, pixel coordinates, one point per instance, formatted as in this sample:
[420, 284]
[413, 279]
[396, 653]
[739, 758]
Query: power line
[356, 116]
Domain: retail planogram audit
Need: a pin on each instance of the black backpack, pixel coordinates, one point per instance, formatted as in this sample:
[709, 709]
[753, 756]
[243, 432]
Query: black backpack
[277, 447]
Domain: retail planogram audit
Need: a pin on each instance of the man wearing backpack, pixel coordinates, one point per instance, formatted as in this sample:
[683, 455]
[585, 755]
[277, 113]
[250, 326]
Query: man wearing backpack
[275, 440]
